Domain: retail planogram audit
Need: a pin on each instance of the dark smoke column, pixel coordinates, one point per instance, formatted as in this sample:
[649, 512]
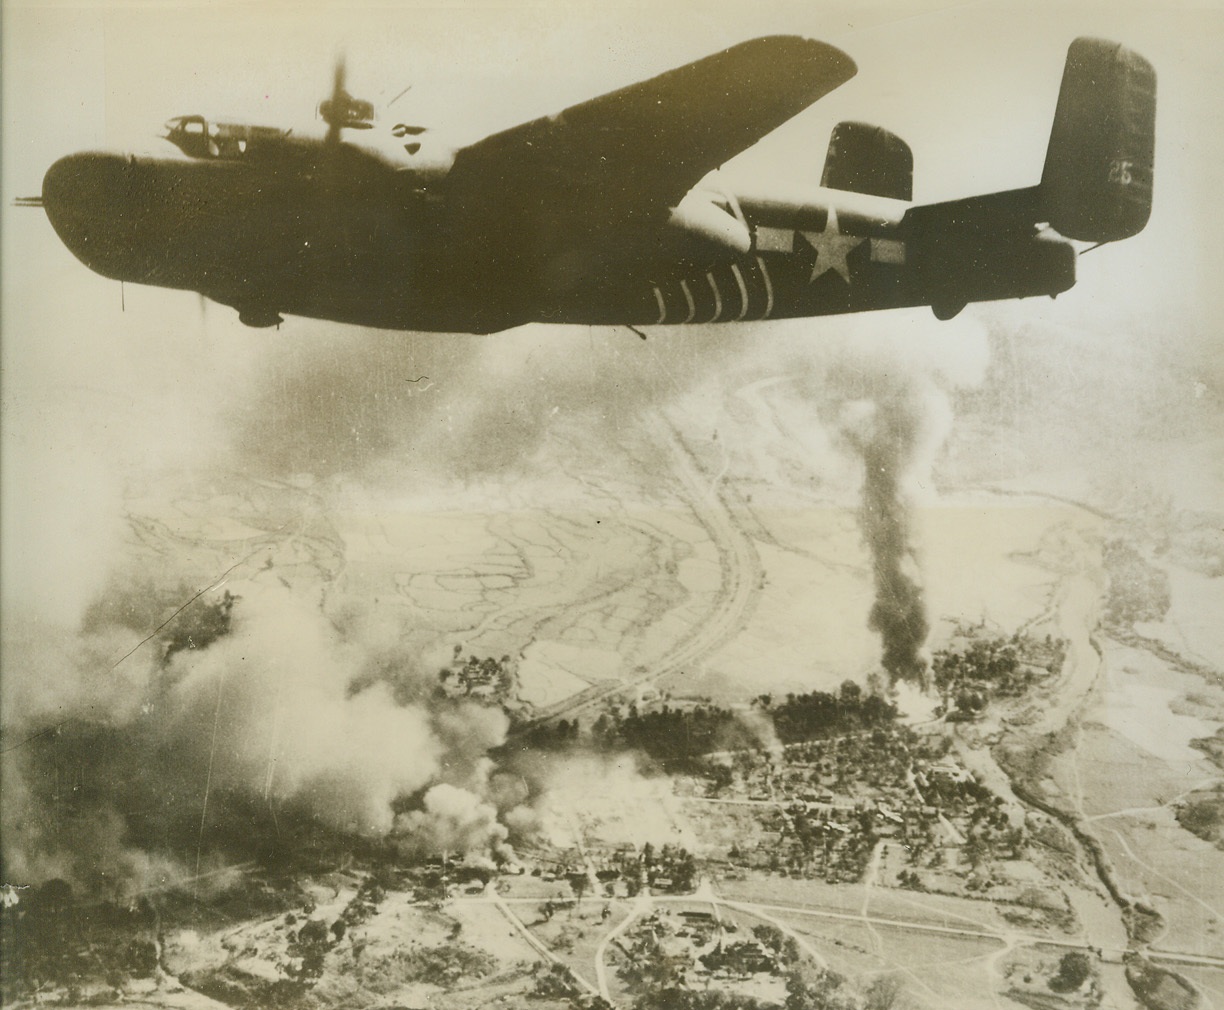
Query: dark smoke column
[889, 449]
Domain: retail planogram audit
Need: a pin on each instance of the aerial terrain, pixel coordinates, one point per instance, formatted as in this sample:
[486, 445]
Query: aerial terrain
[860, 664]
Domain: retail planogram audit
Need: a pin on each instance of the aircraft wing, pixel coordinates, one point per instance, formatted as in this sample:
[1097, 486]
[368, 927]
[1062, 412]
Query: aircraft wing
[632, 154]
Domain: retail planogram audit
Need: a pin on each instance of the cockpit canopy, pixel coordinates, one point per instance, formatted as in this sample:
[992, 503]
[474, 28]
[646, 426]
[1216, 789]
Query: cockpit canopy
[402, 146]
[196, 137]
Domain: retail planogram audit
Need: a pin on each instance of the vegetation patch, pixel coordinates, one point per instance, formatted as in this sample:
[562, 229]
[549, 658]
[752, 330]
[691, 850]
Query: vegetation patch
[1138, 590]
[1203, 814]
[1159, 988]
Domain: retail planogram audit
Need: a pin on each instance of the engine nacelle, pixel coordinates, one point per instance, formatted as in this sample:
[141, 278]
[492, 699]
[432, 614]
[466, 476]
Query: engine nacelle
[703, 223]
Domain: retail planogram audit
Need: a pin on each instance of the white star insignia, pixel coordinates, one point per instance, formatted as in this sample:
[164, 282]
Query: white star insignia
[832, 248]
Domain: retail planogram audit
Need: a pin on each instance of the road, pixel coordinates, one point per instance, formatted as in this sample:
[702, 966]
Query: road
[740, 573]
[769, 912]
[641, 905]
[490, 896]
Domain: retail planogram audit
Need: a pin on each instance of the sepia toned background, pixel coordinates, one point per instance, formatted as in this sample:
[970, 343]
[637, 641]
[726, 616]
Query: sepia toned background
[678, 515]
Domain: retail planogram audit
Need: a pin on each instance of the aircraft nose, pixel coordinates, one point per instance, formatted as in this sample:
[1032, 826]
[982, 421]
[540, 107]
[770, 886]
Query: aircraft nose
[90, 201]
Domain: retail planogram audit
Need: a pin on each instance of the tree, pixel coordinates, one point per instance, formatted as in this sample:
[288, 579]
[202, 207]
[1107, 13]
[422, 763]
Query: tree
[1073, 970]
[684, 870]
[555, 982]
[883, 993]
[720, 776]
[769, 937]
[975, 851]
[825, 993]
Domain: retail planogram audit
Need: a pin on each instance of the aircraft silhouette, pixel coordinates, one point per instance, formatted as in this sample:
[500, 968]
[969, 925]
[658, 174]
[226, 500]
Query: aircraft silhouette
[603, 213]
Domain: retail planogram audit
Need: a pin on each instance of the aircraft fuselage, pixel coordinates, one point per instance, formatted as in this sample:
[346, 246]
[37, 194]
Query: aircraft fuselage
[348, 238]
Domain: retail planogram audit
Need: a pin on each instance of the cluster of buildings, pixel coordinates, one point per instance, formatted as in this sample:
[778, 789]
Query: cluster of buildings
[823, 807]
[692, 948]
[619, 870]
[489, 680]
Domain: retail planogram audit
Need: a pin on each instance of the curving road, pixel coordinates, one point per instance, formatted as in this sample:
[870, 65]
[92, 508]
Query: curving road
[739, 565]
[740, 572]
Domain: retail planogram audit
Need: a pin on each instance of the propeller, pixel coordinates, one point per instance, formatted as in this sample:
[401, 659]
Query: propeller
[343, 111]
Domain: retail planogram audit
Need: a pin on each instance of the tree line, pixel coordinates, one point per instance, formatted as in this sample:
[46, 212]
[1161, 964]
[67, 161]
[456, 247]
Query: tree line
[679, 734]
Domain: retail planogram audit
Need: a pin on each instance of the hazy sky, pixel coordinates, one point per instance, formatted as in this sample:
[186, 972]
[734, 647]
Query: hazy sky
[92, 393]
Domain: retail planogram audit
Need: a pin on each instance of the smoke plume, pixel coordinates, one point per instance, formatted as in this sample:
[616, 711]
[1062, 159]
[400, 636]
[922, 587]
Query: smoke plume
[291, 719]
[866, 412]
[451, 820]
[887, 437]
[609, 798]
[895, 416]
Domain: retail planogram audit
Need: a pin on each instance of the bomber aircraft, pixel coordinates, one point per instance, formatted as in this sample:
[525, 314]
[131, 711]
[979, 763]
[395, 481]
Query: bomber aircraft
[606, 213]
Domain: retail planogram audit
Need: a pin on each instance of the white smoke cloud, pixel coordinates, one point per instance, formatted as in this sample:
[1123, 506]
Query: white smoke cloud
[290, 713]
[451, 820]
[606, 798]
[287, 722]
